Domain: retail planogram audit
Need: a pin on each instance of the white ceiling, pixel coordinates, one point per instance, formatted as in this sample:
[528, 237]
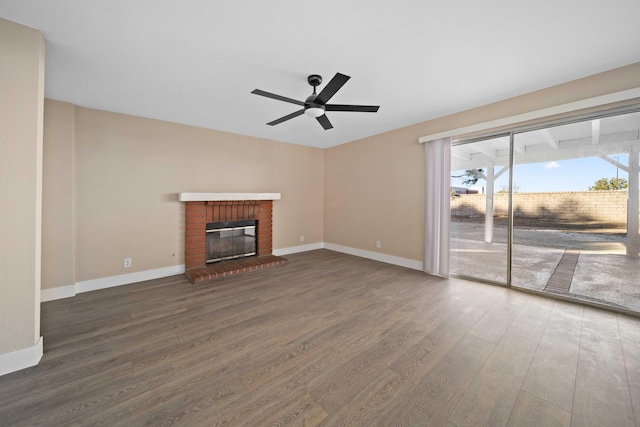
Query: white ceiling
[196, 61]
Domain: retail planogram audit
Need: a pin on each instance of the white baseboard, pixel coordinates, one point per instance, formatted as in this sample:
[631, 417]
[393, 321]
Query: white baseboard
[140, 276]
[109, 282]
[125, 279]
[21, 359]
[61, 292]
[296, 249]
[376, 256]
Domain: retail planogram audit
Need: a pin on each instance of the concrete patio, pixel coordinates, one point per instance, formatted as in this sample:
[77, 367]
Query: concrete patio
[601, 273]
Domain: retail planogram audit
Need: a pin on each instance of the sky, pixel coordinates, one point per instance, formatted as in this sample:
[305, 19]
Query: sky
[561, 175]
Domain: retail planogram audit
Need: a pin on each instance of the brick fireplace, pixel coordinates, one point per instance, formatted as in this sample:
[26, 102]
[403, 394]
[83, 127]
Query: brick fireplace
[203, 208]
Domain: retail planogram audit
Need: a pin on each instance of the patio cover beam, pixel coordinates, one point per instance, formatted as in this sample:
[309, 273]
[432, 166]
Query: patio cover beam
[503, 170]
[595, 132]
[549, 139]
[615, 163]
[633, 207]
[488, 216]
[571, 149]
[491, 154]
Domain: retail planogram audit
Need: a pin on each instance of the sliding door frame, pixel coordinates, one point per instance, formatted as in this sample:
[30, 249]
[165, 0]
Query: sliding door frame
[503, 134]
[511, 133]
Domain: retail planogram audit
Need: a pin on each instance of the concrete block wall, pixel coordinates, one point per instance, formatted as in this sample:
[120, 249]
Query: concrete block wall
[605, 206]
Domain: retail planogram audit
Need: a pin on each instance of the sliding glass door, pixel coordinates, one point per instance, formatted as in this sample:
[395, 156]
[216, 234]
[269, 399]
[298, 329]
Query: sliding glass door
[575, 211]
[562, 220]
[479, 207]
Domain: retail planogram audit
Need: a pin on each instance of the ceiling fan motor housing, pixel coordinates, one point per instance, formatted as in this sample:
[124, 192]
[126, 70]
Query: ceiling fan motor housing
[309, 102]
[314, 80]
[310, 107]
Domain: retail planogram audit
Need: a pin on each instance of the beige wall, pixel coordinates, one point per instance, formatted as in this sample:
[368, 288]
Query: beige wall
[374, 187]
[128, 171]
[374, 191]
[57, 198]
[21, 99]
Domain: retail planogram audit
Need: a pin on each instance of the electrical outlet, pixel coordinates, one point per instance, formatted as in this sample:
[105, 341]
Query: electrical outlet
[301, 238]
[127, 262]
[378, 244]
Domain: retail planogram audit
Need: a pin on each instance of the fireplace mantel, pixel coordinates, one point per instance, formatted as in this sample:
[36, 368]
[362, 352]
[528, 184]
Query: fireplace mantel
[215, 197]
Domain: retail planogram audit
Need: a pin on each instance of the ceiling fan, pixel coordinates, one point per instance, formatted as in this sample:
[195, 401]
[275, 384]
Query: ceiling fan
[316, 104]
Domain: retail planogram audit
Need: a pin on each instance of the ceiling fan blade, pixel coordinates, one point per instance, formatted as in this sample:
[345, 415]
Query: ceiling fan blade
[278, 97]
[360, 108]
[331, 88]
[324, 121]
[287, 117]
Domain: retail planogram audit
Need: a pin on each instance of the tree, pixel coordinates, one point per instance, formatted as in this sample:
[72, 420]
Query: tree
[609, 184]
[470, 176]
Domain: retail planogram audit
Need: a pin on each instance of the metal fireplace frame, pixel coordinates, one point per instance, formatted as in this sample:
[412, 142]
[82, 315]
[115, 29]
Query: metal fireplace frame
[243, 232]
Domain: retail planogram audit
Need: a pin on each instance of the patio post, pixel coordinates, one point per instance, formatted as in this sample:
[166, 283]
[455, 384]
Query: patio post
[488, 216]
[632, 204]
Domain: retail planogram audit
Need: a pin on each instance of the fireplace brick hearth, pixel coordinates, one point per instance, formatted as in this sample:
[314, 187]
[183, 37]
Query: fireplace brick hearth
[200, 212]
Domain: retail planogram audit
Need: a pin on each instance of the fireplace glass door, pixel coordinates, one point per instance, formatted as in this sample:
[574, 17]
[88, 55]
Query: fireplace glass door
[230, 240]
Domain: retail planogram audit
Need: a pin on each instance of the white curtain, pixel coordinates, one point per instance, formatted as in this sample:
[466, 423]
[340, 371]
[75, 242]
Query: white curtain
[437, 213]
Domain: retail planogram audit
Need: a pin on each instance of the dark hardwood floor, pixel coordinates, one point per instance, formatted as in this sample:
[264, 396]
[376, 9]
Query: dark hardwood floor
[328, 339]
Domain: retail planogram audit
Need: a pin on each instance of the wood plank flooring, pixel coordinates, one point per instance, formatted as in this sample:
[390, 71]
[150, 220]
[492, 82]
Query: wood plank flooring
[327, 339]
